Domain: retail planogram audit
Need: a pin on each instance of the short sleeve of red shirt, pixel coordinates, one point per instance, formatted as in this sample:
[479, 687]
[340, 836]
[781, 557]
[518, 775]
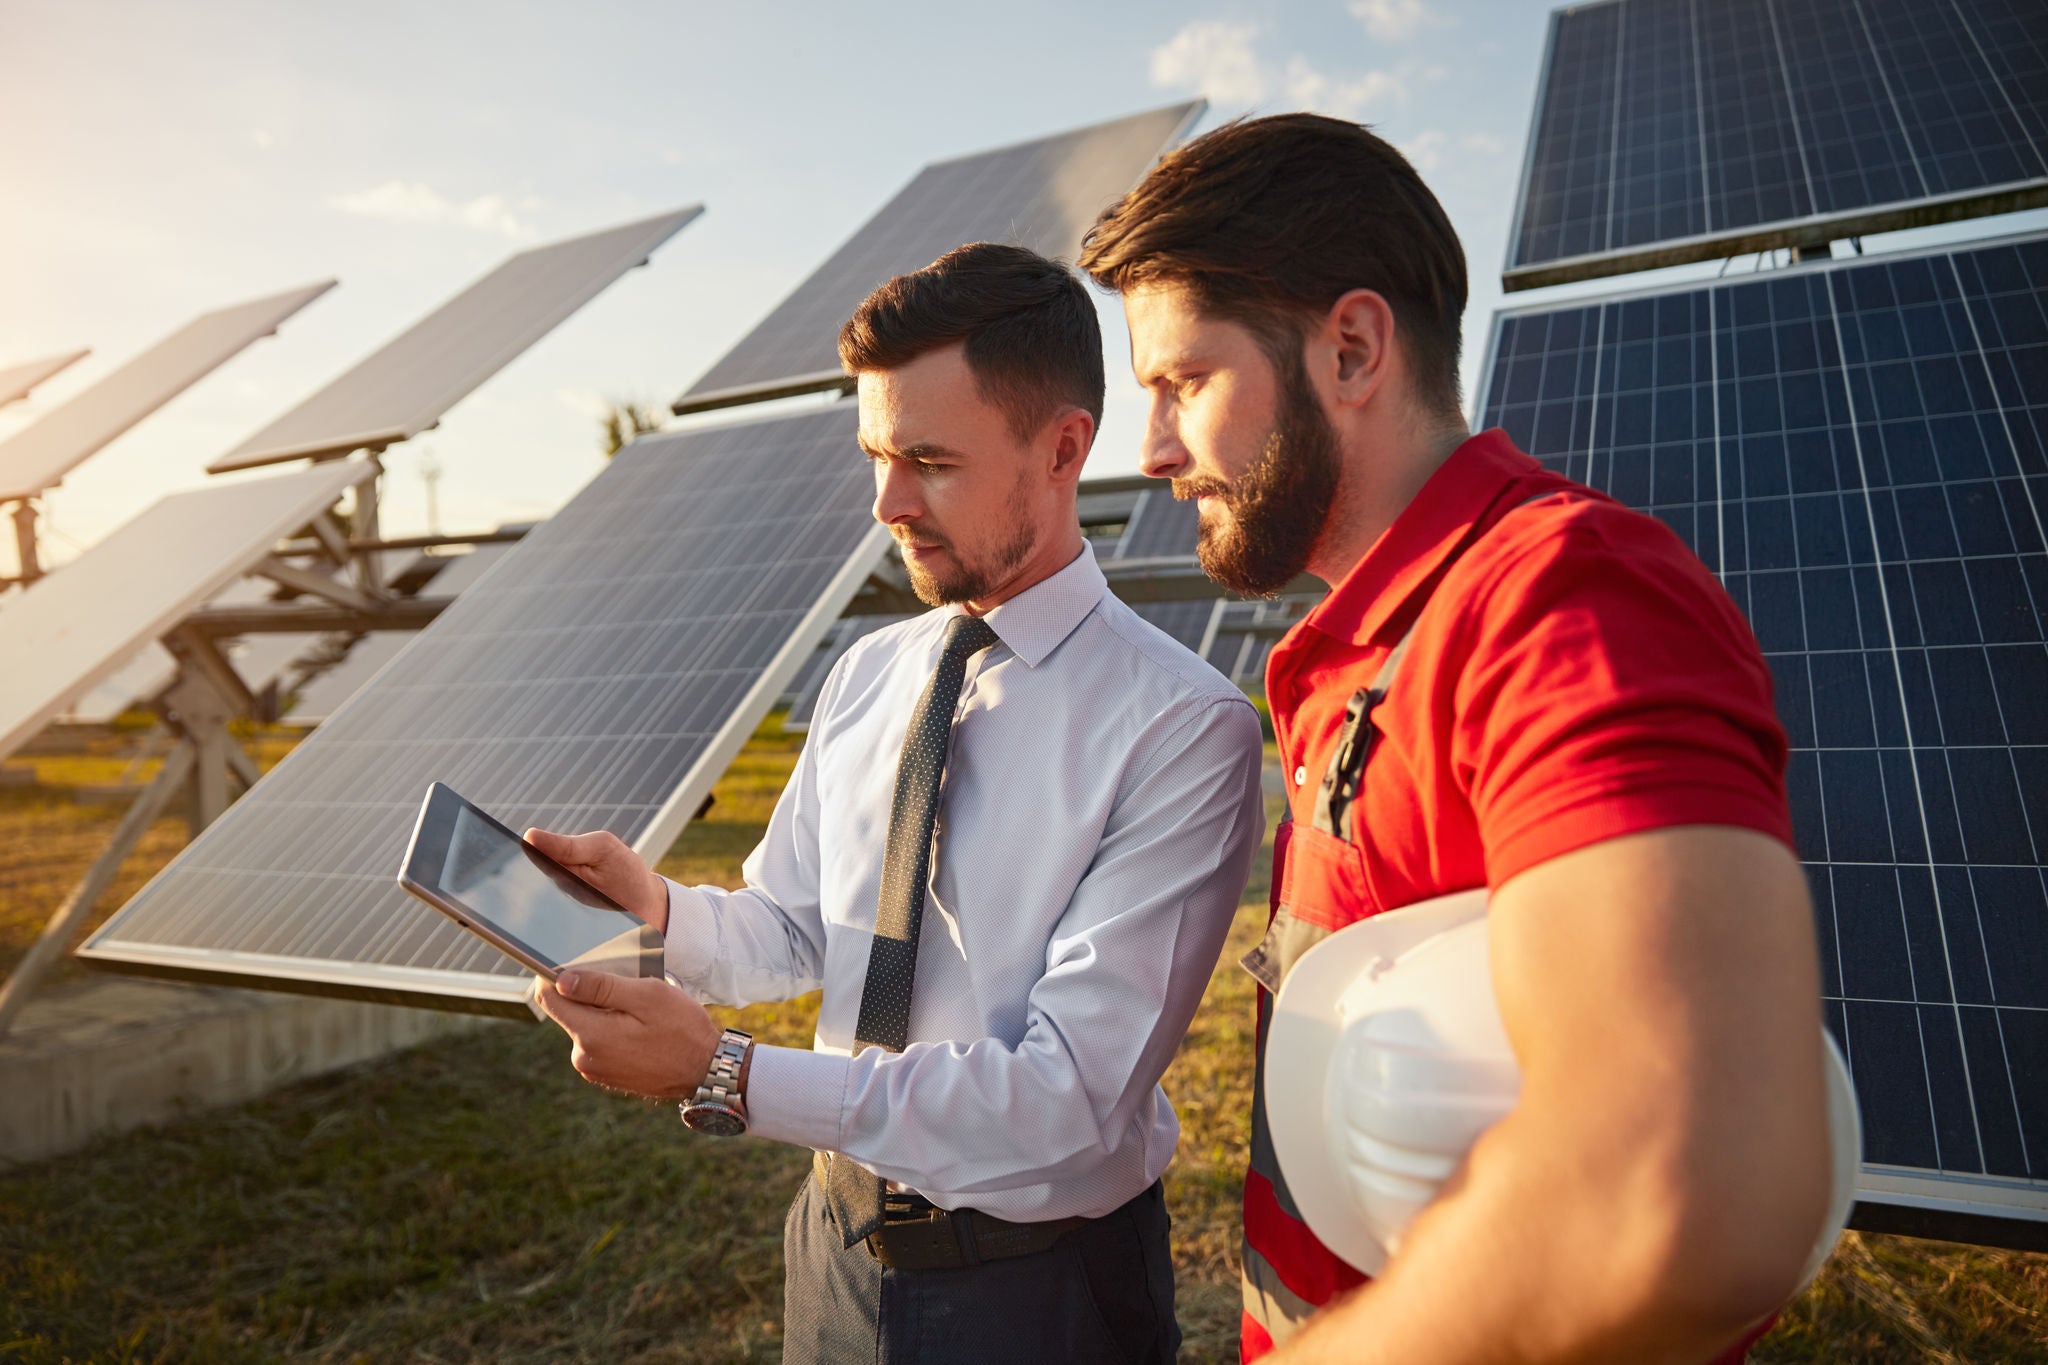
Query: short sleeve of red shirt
[1606, 686]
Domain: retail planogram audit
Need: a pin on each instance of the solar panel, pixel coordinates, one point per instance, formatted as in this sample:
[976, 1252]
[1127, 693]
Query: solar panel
[1042, 194]
[74, 626]
[1161, 526]
[16, 381]
[1682, 130]
[321, 695]
[37, 457]
[602, 675]
[148, 671]
[1856, 448]
[402, 388]
[811, 680]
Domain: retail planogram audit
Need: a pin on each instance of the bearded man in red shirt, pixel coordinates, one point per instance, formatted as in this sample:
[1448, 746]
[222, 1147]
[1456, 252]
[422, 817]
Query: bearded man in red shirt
[1581, 722]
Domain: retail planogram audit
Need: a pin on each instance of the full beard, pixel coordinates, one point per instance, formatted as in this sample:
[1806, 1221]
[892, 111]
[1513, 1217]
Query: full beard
[1274, 511]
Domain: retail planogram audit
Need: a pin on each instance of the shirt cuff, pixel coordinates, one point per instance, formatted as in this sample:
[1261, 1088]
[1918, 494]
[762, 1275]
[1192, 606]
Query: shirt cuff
[797, 1096]
[689, 945]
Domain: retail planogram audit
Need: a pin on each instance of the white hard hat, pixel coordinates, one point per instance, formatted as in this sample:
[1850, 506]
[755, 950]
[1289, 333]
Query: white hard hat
[1386, 1059]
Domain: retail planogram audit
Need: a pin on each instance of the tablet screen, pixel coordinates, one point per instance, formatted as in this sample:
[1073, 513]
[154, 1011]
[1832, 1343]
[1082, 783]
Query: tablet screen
[527, 898]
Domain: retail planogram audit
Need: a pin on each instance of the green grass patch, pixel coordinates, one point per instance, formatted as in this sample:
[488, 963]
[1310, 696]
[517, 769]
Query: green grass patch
[473, 1200]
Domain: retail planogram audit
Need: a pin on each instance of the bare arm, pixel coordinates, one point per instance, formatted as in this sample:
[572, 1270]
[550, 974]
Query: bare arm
[1659, 1184]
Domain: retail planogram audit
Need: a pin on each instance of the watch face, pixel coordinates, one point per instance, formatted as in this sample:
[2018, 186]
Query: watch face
[714, 1119]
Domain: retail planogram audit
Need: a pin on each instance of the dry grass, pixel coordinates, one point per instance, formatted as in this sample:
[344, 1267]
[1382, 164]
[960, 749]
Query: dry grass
[473, 1201]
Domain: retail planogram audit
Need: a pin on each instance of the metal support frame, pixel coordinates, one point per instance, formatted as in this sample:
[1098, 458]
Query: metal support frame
[71, 915]
[313, 583]
[31, 567]
[202, 763]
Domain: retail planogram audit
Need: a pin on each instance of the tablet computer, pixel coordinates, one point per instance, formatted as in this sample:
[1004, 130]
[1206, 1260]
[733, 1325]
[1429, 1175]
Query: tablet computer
[525, 904]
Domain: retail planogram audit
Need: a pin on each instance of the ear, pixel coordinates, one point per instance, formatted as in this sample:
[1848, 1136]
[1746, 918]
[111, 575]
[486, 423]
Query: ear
[1073, 432]
[1357, 337]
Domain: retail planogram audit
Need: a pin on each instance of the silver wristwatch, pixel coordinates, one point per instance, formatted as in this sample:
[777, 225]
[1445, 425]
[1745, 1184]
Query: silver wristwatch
[718, 1109]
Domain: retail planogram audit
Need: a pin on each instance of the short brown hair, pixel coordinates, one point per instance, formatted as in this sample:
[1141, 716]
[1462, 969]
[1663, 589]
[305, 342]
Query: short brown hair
[1031, 336]
[1269, 221]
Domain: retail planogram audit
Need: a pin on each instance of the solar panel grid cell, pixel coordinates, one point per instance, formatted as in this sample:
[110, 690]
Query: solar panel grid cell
[1566, 200]
[403, 387]
[1041, 194]
[1873, 113]
[1857, 452]
[590, 680]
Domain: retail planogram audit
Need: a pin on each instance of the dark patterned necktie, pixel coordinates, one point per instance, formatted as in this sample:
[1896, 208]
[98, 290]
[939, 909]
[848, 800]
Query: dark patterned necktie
[855, 1194]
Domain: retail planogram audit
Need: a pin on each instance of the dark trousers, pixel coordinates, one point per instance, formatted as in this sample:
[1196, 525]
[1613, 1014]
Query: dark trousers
[1101, 1295]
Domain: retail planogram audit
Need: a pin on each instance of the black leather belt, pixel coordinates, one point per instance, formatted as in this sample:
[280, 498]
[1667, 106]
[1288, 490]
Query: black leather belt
[919, 1235]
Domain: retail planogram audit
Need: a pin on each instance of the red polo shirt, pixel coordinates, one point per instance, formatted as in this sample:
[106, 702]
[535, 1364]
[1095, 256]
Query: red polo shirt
[1579, 676]
[1584, 677]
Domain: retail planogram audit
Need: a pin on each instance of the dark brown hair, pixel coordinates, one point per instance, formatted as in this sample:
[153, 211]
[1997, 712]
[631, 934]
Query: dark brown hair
[1030, 332]
[1269, 221]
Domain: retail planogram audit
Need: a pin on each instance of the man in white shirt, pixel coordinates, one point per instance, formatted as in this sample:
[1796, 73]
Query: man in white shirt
[1009, 855]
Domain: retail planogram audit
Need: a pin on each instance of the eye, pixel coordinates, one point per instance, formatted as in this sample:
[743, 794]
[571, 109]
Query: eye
[1187, 385]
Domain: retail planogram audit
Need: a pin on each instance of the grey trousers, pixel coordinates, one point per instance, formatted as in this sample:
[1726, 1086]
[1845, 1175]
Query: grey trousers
[1101, 1295]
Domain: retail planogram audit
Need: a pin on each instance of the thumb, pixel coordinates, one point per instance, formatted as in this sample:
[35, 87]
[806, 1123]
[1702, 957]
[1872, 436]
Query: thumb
[596, 989]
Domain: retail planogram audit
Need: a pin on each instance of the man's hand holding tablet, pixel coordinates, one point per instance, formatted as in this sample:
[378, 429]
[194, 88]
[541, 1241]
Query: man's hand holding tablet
[585, 913]
[642, 1036]
[602, 859]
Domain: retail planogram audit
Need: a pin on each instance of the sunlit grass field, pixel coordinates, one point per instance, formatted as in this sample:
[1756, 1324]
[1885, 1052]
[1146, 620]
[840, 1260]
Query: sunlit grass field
[474, 1201]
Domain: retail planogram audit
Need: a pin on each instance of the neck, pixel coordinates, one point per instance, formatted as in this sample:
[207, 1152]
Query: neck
[1051, 554]
[1382, 471]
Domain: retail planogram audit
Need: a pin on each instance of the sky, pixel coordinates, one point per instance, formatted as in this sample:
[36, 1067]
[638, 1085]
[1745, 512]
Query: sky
[158, 161]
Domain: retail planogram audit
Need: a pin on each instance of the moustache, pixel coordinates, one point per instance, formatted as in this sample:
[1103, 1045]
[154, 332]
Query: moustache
[911, 540]
[1187, 490]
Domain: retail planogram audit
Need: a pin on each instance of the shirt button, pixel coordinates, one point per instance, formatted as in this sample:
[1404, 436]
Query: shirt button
[1300, 776]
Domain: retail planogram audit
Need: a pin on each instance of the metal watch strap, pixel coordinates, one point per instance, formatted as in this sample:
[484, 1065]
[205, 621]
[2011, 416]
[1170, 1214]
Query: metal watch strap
[721, 1083]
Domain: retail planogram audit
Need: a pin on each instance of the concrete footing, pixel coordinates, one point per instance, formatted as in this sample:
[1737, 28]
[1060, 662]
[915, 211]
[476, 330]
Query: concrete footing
[106, 1056]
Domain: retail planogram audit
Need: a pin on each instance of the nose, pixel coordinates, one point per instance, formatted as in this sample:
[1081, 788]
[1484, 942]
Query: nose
[896, 498]
[1161, 454]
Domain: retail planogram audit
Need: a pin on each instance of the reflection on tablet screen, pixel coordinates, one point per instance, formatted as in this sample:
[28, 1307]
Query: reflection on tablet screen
[501, 880]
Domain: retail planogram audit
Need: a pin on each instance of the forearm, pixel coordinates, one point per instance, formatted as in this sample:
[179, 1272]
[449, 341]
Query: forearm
[1546, 1248]
[739, 947]
[961, 1118]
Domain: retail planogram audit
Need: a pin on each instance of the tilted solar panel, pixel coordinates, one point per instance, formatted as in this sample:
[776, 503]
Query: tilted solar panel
[37, 457]
[601, 675]
[17, 381]
[811, 681]
[79, 623]
[1042, 194]
[403, 387]
[1161, 526]
[1682, 130]
[1857, 448]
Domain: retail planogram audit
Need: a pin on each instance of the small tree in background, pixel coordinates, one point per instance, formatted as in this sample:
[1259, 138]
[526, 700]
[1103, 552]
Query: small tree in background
[624, 420]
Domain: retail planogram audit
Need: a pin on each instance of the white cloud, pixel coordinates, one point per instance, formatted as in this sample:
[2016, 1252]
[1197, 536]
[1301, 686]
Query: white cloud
[1308, 88]
[1220, 59]
[1212, 58]
[1427, 148]
[263, 139]
[1425, 151]
[411, 201]
[1392, 21]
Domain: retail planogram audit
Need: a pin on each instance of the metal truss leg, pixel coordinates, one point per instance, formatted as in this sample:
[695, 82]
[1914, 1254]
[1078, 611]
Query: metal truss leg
[30, 567]
[58, 933]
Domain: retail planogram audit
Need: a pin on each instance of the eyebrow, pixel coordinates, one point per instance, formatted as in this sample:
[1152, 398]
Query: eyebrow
[921, 450]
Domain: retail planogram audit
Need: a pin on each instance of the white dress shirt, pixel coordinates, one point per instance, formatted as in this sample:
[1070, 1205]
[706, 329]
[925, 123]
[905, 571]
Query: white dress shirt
[1099, 812]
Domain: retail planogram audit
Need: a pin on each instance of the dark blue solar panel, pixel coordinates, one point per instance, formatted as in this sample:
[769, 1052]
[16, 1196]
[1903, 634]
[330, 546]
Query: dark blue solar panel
[1858, 452]
[1717, 122]
[1161, 526]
